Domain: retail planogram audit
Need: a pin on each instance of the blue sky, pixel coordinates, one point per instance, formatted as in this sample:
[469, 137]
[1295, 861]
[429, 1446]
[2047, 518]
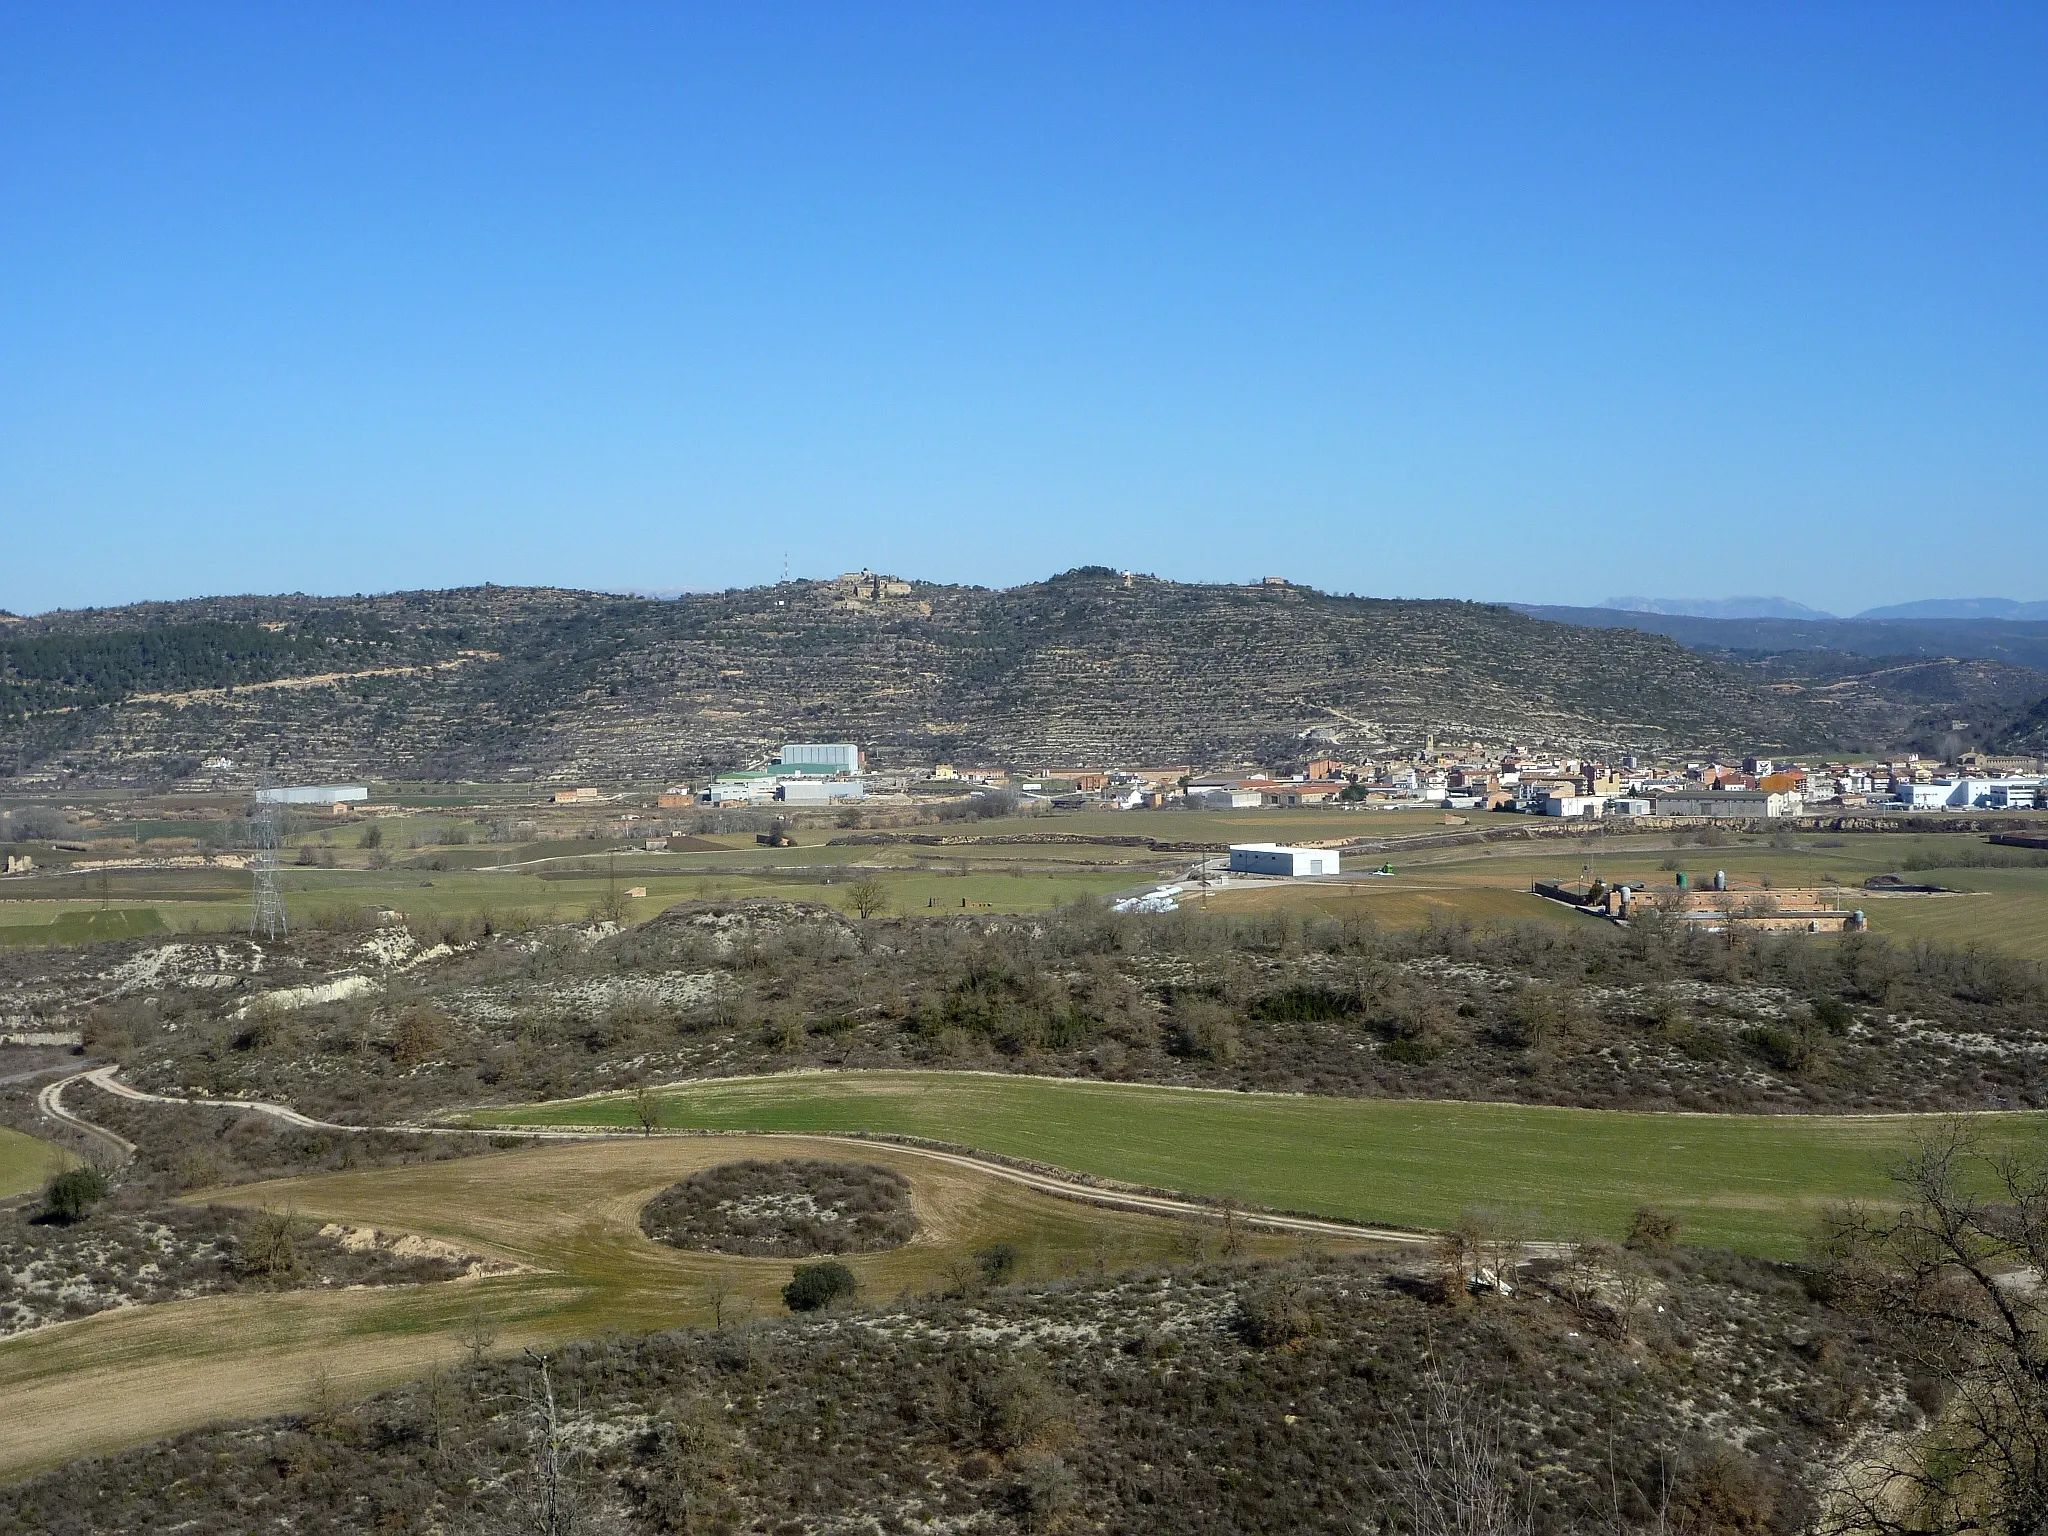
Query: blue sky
[1538, 302]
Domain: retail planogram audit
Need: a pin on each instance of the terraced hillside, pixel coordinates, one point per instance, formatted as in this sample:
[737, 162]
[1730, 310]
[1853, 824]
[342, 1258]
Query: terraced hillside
[1090, 666]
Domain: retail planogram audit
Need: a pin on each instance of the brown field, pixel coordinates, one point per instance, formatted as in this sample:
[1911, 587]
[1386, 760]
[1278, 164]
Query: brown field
[568, 1213]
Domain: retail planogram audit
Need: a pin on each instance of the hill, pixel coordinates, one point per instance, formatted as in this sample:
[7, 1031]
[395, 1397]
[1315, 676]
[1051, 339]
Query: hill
[496, 682]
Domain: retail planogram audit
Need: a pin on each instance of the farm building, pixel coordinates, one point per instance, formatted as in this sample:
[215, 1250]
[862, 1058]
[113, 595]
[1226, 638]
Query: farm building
[1277, 859]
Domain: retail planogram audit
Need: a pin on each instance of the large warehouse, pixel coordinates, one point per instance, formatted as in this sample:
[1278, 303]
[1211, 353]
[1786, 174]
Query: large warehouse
[1277, 859]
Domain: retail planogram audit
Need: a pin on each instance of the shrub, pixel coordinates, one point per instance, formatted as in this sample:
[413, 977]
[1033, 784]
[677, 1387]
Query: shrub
[270, 1250]
[73, 1193]
[1833, 1015]
[421, 1031]
[1204, 1029]
[1652, 1231]
[1308, 1004]
[1413, 1053]
[1275, 1312]
[998, 1263]
[1700, 1045]
[1782, 1048]
[817, 1286]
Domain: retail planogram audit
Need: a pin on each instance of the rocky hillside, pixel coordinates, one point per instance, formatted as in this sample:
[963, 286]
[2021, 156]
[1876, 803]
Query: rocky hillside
[1617, 1390]
[391, 1025]
[1090, 666]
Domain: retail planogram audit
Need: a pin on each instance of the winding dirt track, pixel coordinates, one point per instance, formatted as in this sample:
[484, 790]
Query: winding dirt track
[50, 1101]
[1049, 1183]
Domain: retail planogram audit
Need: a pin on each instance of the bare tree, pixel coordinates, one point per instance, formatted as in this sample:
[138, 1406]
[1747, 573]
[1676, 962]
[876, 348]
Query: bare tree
[867, 897]
[1953, 1279]
[477, 1338]
[551, 1507]
[648, 1110]
[719, 1291]
[1457, 1469]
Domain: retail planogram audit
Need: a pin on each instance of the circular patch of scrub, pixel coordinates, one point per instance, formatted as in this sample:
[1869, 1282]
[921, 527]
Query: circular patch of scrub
[789, 1209]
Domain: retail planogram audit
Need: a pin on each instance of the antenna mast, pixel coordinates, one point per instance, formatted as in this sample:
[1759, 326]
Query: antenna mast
[266, 826]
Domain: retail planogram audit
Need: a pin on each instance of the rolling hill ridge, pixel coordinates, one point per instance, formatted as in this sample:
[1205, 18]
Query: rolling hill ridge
[1090, 666]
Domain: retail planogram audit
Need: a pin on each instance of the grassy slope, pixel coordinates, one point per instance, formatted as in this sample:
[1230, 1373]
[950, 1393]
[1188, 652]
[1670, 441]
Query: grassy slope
[26, 1162]
[1753, 1183]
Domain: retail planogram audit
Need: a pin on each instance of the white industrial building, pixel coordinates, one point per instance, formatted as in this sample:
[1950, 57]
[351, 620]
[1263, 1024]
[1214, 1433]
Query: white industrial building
[820, 757]
[1226, 799]
[805, 773]
[2011, 794]
[809, 791]
[1574, 805]
[313, 794]
[1744, 803]
[1277, 859]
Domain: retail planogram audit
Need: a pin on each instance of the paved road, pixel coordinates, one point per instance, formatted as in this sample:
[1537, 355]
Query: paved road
[51, 1103]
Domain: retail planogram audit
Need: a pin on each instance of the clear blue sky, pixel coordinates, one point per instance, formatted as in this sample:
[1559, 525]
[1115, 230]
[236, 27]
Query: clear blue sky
[1531, 301]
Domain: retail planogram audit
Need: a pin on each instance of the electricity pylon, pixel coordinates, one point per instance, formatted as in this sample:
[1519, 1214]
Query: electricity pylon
[266, 825]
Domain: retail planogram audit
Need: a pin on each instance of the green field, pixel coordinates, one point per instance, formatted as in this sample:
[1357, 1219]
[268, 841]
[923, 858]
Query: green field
[26, 1162]
[556, 895]
[1755, 1183]
[562, 878]
[81, 923]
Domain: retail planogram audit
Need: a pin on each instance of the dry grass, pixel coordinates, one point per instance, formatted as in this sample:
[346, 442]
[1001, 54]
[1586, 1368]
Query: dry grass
[568, 1213]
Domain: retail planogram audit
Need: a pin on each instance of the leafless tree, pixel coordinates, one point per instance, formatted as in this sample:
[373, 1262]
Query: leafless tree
[719, 1291]
[1457, 1468]
[437, 1407]
[477, 1338]
[647, 1110]
[1954, 1281]
[867, 896]
[551, 1502]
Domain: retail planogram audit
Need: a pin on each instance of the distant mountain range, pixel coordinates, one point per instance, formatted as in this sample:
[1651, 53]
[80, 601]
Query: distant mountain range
[1961, 608]
[1784, 608]
[2015, 642]
[1718, 607]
